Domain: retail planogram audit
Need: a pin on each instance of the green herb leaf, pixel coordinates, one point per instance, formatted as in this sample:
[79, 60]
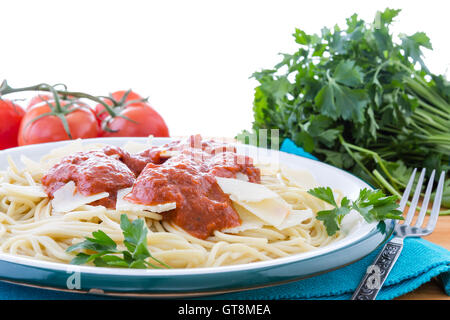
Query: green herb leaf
[105, 249]
[325, 194]
[329, 218]
[412, 46]
[99, 242]
[336, 101]
[347, 73]
[372, 205]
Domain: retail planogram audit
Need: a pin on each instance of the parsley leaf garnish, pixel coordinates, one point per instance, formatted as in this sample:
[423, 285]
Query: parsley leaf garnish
[372, 205]
[103, 252]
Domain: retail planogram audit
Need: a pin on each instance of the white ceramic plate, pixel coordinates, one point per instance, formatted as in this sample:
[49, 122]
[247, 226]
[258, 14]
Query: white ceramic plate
[361, 240]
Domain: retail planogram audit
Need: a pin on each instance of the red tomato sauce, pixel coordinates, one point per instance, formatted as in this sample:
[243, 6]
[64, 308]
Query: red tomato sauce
[188, 178]
[135, 162]
[181, 171]
[92, 172]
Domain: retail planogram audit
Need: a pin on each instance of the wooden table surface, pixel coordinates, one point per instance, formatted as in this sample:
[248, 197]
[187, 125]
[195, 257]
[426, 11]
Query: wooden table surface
[433, 290]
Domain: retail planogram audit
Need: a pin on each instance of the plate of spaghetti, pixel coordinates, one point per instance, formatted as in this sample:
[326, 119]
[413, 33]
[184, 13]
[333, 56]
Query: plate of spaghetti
[164, 217]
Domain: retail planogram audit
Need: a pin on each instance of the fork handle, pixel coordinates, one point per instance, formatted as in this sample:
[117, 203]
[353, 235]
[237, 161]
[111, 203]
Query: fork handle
[379, 270]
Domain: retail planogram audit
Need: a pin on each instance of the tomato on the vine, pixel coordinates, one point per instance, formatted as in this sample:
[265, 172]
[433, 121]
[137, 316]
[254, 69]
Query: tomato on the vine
[57, 120]
[120, 97]
[38, 99]
[11, 115]
[134, 117]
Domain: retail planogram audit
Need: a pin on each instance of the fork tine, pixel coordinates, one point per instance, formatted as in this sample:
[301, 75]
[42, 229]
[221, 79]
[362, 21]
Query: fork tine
[407, 191]
[425, 201]
[436, 204]
[415, 199]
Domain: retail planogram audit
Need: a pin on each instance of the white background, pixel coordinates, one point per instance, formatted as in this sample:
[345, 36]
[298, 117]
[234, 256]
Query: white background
[192, 58]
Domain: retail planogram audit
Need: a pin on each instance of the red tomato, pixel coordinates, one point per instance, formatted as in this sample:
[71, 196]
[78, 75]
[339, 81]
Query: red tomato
[38, 99]
[145, 120]
[10, 116]
[102, 114]
[81, 122]
[45, 97]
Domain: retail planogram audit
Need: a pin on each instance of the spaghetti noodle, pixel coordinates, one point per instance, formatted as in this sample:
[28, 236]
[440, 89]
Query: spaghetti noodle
[30, 227]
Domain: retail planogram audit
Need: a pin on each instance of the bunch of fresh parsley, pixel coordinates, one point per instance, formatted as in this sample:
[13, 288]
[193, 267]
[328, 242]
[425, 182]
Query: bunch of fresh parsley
[103, 251]
[372, 205]
[359, 99]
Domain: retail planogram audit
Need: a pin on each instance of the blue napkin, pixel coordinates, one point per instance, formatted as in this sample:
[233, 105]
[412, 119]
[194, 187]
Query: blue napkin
[289, 146]
[419, 262]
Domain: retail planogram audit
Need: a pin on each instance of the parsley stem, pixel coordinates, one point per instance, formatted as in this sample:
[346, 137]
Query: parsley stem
[386, 184]
[362, 166]
[376, 158]
[393, 191]
[160, 262]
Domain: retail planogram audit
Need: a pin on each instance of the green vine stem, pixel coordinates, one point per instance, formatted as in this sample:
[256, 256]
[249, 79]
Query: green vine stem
[6, 89]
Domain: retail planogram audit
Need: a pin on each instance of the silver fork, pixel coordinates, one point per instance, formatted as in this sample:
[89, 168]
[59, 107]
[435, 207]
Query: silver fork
[377, 273]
